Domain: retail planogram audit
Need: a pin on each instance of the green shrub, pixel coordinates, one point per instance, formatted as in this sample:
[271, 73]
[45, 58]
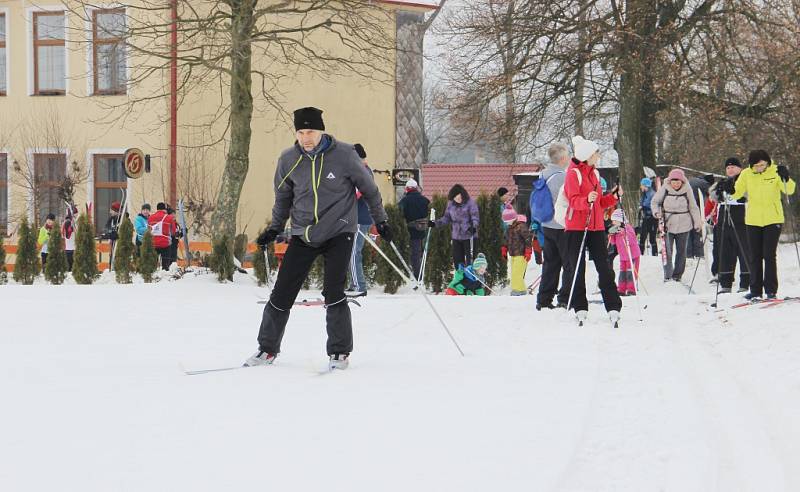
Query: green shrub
[84, 264]
[125, 252]
[221, 260]
[3, 271]
[56, 268]
[490, 238]
[439, 263]
[28, 265]
[260, 266]
[385, 275]
[148, 258]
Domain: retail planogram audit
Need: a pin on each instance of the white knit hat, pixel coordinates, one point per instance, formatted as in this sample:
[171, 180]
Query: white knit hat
[412, 183]
[583, 148]
[618, 215]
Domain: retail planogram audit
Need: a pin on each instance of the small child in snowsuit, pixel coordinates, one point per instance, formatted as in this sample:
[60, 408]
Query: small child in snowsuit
[517, 245]
[469, 281]
[623, 236]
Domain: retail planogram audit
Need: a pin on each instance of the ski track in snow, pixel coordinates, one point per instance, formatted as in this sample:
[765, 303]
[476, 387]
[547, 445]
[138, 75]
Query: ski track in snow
[688, 400]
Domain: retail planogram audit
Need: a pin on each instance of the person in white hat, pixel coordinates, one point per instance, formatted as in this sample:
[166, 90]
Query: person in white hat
[415, 210]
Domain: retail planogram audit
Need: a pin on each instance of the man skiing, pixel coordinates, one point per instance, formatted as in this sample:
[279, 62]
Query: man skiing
[315, 183]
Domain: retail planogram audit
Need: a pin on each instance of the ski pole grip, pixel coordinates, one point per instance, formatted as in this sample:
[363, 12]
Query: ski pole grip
[433, 214]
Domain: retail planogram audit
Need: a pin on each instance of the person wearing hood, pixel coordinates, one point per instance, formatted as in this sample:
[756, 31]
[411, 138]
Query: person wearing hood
[415, 210]
[763, 183]
[315, 183]
[585, 217]
[462, 215]
[674, 205]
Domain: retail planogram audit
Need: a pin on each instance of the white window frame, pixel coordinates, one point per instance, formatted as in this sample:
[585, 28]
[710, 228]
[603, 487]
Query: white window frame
[29, 157]
[6, 12]
[88, 29]
[29, 21]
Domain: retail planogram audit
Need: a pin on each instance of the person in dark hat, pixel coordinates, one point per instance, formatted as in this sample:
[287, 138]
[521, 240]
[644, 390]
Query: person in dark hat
[315, 184]
[730, 232]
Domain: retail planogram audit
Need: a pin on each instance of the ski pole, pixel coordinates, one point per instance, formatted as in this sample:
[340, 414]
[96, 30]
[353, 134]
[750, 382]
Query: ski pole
[424, 294]
[405, 264]
[425, 252]
[580, 254]
[791, 219]
[721, 243]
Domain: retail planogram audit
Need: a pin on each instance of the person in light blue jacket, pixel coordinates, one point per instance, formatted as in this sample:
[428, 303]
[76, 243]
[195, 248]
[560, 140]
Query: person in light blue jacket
[141, 225]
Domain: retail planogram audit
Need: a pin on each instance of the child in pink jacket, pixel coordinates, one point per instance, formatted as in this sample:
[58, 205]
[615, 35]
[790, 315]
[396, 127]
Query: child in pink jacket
[623, 236]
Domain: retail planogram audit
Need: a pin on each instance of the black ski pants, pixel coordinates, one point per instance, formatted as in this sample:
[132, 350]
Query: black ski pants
[166, 256]
[763, 243]
[294, 269]
[462, 252]
[555, 265]
[732, 247]
[416, 255]
[596, 245]
[648, 230]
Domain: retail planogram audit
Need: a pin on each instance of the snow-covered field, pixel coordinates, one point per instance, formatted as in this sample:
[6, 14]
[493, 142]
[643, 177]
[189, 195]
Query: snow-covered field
[94, 395]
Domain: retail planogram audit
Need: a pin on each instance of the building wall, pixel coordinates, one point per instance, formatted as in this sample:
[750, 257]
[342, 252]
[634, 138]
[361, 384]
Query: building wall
[356, 110]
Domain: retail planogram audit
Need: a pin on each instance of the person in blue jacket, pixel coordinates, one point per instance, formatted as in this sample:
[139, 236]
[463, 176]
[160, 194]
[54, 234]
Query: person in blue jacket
[140, 224]
[649, 224]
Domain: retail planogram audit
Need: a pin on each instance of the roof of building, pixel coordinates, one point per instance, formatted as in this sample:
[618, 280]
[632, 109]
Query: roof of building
[476, 178]
[428, 4]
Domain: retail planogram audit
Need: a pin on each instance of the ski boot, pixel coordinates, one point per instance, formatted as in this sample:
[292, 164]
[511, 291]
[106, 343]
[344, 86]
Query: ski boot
[582, 315]
[260, 358]
[338, 361]
[614, 317]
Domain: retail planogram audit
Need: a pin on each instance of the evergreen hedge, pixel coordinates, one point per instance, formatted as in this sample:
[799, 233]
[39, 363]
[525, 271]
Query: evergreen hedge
[28, 265]
[439, 263]
[385, 275]
[125, 252]
[84, 264]
[148, 258]
[260, 265]
[56, 268]
[221, 259]
[490, 234]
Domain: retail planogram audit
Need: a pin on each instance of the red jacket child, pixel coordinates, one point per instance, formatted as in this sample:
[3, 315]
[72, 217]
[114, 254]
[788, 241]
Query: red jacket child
[577, 191]
[162, 227]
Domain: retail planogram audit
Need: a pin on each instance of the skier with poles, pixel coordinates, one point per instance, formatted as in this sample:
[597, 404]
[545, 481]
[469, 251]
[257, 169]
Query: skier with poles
[315, 183]
[679, 213]
[415, 210]
[763, 182]
[623, 236]
[732, 233]
[358, 282]
[585, 230]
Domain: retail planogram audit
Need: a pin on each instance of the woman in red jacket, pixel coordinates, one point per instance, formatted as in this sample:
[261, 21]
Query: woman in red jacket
[585, 216]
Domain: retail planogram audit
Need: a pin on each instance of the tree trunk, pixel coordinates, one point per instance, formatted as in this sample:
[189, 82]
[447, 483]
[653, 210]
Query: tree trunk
[237, 161]
[629, 139]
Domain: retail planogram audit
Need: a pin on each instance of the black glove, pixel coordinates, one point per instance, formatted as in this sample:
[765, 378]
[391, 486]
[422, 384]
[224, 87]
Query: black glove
[728, 186]
[783, 172]
[385, 231]
[431, 224]
[471, 230]
[266, 237]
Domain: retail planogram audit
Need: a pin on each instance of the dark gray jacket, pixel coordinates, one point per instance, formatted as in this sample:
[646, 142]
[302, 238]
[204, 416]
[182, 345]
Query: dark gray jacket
[325, 206]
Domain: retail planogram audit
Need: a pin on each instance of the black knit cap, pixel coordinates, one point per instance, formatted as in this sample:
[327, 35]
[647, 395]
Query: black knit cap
[733, 161]
[360, 150]
[308, 119]
[757, 156]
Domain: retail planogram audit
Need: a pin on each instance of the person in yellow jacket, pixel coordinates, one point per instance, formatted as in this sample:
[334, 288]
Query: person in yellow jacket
[44, 236]
[763, 184]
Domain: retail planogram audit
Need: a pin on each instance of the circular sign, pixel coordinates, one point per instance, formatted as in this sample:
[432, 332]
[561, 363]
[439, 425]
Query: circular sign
[134, 163]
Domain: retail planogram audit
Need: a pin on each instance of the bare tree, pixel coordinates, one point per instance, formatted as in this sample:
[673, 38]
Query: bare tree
[252, 49]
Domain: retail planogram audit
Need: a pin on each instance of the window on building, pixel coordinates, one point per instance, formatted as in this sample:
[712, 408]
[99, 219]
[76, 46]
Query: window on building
[108, 29]
[49, 171]
[49, 54]
[110, 183]
[3, 194]
[3, 87]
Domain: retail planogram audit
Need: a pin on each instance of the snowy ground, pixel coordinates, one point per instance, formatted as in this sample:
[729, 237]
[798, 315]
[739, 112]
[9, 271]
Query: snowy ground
[94, 397]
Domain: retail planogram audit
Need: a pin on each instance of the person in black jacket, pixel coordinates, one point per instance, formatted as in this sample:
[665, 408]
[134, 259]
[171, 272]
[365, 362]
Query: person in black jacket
[731, 231]
[358, 282]
[415, 210]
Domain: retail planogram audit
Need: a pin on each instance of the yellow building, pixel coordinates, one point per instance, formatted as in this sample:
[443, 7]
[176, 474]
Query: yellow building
[66, 83]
